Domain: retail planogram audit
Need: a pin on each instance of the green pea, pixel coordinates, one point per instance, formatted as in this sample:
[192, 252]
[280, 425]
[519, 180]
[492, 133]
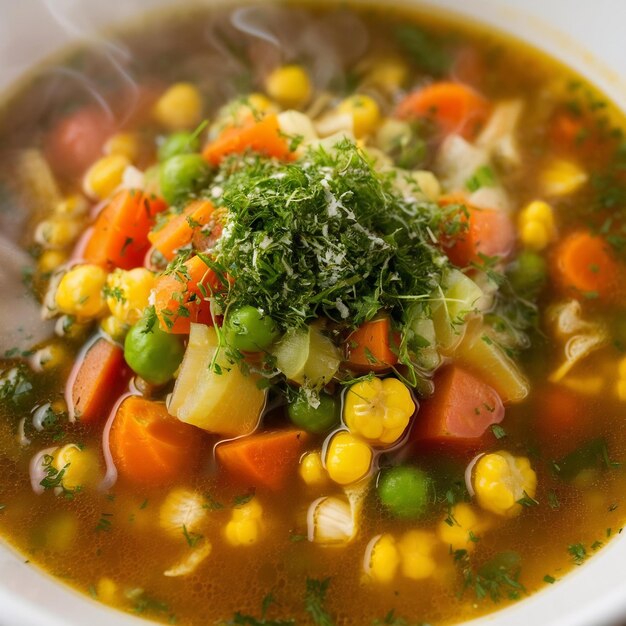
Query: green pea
[178, 143]
[248, 329]
[315, 420]
[183, 175]
[152, 353]
[404, 491]
[528, 274]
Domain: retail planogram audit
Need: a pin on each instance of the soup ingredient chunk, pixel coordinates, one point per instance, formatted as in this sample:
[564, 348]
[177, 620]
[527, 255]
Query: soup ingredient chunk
[370, 347]
[182, 511]
[289, 85]
[378, 410]
[461, 526]
[128, 292]
[348, 458]
[182, 176]
[249, 329]
[382, 558]
[245, 524]
[501, 481]
[179, 108]
[417, 551]
[80, 292]
[152, 353]
[314, 419]
[149, 446]
[404, 491]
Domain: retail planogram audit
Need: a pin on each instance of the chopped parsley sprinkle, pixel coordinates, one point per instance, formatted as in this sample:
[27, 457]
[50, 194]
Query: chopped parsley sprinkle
[549, 579]
[578, 553]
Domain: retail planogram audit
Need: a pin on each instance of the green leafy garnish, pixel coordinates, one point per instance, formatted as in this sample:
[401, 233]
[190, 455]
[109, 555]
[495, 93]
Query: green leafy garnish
[315, 600]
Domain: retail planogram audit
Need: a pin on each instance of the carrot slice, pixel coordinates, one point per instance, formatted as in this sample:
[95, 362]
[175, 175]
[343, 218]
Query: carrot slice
[264, 136]
[263, 459]
[460, 411]
[96, 380]
[583, 264]
[179, 297]
[369, 346]
[454, 107]
[149, 446]
[486, 232]
[120, 234]
[180, 229]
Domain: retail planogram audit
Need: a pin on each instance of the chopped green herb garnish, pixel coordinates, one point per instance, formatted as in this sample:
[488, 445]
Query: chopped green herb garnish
[315, 601]
[549, 579]
[578, 552]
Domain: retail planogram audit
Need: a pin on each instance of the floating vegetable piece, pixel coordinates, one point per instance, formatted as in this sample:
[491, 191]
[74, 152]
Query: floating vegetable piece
[416, 549]
[462, 526]
[81, 292]
[191, 561]
[182, 511]
[499, 133]
[314, 419]
[245, 524]
[81, 465]
[312, 470]
[348, 458]
[105, 176]
[128, 292]
[289, 85]
[330, 521]
[213, 393]
[577, 348]
[536, 225]
[501, 480]
[561, 178]
[365, 113]
[370, 347]
[307, 357]
[382, 559]
[378, 410]
[248, 329]
[180, 107]
[183, 176]
[404, 491]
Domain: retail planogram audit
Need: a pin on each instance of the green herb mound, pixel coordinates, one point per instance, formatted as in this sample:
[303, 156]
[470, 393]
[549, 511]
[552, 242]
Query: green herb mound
[325, 236]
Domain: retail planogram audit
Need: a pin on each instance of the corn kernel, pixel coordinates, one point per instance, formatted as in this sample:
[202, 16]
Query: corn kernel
[562, 177]
[312, 470]
[123, 144]
[107, 590]
[501, 480]
[378, 410]
[348, 459]
[82, 468]
[384, 559]
[69, 327]
[80, 292]
[179, 108]
[114, 328]
[244, 526]
[416, 552]
[534, 235]
[128, 293]
[72, 206]
[50, 260]
[621, 390]
[289, 85]
[621, 368]
[61, 532]
[461, 527]
[50, 357]
[105, 176]
[364, 111]
[388, 73]
[57, 232]
[536, 225]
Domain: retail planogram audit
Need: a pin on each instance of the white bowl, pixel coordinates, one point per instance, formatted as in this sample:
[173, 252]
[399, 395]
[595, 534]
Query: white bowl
[587, 35]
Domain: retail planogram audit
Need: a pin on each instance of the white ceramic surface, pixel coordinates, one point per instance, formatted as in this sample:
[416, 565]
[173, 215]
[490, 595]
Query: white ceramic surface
[587, 34]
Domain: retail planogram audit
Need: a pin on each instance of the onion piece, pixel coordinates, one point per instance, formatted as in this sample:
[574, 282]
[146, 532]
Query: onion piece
[188, 564]
[21, 435]
[110, 476]
[468, 474]
[37, 469]
[39, 415]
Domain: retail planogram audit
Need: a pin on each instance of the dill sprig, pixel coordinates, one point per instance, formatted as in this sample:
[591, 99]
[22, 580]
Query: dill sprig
[325, 236]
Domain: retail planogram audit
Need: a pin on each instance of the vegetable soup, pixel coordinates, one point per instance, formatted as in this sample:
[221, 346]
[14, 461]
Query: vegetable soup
[328, 318]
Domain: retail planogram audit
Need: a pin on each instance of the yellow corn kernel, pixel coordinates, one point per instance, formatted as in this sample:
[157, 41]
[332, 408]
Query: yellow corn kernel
[378, 410]
[388, 73]
[244, 526]
[501, 480]
[82, 468]
[179, 108]
[289, 85]
[50, 357]
[348, 458]
[80, 292]
[107, 590]
[61, 532]
[364, 111]
[384, 559]
[123, 144]
[128, 293]
[536, 225]
[534, 235]
[105, 175]
[621, 368]
[588, 385]
[50, 260]
[416, 552]
[621, 390]
[312, 470]
[114, 328]
[562, 177]
[69, 327]
[460, 528]
[72, 206]
[57, 232]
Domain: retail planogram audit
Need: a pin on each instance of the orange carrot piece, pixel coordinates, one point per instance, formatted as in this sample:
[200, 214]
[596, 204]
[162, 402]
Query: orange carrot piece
[180, 229]
[460, 411]
[179, 297]
[369, 347]
[263, 136]
[263, 459]
[566, 129]
[149, 446]
[454, 107]
[120, 233]
[584, 265]
[486, 232]
[96, 380]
